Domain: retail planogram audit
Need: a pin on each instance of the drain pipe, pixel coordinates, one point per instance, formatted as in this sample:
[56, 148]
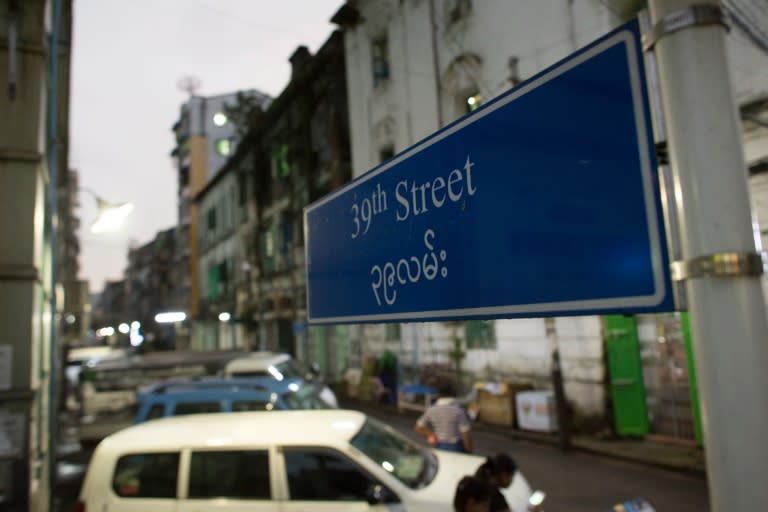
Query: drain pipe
[52, 225]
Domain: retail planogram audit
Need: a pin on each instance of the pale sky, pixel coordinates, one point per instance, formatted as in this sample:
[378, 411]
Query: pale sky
[127, 59]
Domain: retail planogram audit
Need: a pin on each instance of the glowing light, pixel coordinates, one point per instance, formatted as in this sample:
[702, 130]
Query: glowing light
[275, 373]
[111, 217]
[105, 331]
[293, 386]
[124, 328]
[224, 317]
[70, 318]
[388, 466]
[170, 317]
[220, 119]
[135, 336]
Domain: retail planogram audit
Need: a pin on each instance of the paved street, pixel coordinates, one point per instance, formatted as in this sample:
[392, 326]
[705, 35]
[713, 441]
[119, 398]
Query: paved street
[578, 481]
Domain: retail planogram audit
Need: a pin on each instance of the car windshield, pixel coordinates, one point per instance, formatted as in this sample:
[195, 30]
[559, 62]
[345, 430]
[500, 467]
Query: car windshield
[406, 460]
[289, 370]
[306, 397]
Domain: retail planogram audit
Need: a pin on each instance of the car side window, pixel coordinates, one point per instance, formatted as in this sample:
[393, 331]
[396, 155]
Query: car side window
[196, 408]
[146, 475]
[324, 475]
[234, 474]
[156, 411]
[249, 405]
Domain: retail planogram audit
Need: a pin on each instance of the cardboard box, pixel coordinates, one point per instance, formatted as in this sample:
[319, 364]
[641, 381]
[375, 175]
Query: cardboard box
[496, 409]
[536, 411]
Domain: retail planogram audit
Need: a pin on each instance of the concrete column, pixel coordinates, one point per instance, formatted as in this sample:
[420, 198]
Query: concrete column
[25, 258]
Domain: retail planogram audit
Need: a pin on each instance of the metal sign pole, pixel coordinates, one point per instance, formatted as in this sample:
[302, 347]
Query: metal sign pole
[720, 268]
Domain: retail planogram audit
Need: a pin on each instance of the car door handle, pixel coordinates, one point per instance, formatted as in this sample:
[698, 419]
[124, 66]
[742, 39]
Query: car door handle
[622, 382]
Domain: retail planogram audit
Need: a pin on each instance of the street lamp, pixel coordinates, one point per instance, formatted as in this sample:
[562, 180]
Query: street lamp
[110, 216]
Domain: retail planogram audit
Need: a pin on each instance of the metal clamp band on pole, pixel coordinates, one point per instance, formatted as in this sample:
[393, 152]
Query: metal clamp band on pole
[725, 264]
[694, 16]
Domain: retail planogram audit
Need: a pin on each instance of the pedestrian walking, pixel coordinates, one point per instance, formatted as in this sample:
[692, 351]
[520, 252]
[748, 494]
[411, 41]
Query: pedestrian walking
[498, 471]
[446, 426]
[472, 495]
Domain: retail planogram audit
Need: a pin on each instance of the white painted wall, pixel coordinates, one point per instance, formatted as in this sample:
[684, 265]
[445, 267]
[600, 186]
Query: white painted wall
[406, 109]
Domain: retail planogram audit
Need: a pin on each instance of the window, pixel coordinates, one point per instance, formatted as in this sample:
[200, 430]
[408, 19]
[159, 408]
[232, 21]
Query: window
[413, 465]
[196, 408]
[212, 219]
[147, 475]
[480, 334]
[380, 56]
[244, 406]
[322, 475]
[281, 163]
[242, 188]
[229, 474]
[213, 282]
[223, 146]
[156, 411]
[307, 397]
[391, 332]
[224, 276]
[220, 119]
[473, 102]
[386, 152]
[458, 9]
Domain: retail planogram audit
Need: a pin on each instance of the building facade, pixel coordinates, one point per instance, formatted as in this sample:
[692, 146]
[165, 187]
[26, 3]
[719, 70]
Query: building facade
[76, 310]
[415, 66]
[251, 222]
[205, 138]
[150, 290]
[34, 119]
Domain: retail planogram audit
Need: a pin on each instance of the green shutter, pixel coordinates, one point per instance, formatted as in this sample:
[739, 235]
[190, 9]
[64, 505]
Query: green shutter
[213, 282]
[692, 381]
[626, 375]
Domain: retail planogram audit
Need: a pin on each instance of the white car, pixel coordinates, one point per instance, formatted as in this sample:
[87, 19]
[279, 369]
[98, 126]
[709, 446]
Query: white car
[275, 365]
[284, 461]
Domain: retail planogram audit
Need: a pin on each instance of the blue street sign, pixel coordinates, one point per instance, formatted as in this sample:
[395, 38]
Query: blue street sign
[545, 201]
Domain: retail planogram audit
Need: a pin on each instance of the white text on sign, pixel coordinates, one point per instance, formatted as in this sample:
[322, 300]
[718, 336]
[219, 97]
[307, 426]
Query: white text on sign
[414, 198]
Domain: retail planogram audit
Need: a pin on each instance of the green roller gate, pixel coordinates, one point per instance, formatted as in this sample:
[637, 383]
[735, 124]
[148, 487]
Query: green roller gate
[626, 375]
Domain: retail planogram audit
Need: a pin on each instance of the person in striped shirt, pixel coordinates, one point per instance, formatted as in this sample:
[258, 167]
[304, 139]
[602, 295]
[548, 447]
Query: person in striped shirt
[446, 426]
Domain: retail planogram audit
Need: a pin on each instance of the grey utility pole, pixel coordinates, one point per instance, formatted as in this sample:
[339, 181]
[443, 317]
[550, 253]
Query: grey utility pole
[720, 267]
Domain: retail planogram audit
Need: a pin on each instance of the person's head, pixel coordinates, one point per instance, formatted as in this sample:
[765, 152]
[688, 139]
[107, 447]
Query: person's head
[472, 495]
[499, 469]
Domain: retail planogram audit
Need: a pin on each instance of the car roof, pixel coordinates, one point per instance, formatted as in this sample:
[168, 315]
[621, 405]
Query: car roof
[260, 359]
[180, 386]
[326, 427]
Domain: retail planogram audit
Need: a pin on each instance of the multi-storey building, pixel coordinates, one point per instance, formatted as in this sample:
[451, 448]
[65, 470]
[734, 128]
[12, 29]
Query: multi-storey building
[150, 289]
[415, 66]
[34, 119]
[251, 227]
[76, 305]
[110, 307]
[205, 138]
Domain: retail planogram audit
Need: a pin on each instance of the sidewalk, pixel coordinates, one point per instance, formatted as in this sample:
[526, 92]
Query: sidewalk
[675, 456]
